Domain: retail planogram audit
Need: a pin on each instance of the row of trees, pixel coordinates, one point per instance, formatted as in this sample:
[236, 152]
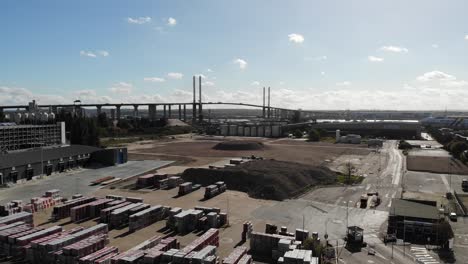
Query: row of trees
[312, 134]
[457, 147]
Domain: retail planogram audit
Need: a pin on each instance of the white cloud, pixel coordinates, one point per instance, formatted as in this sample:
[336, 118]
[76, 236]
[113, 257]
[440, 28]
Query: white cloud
[345, 83]
[153, 79]
[209, 70]
[296, 38]
[466, 37]
[375, 59]
[85, 93]
[255, 83]
[322, 73]
[435, 46]
[122, 88]
[395, 49]
[171, 21]
[242, 63]
[139, 20]
[175, 75]
[103, 53]
[435, 76]
[87, 54]
[201, 75]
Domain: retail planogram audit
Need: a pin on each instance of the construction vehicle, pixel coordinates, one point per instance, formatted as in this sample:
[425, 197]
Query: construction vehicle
[355, 239]
[363, 200]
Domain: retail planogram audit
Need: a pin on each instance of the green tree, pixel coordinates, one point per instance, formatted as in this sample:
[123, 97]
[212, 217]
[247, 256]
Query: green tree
[296, 118]
[314, 245]
[457, 148]
[313, 135]
[124, 124]
[83, 131]
[297, 133]
[102, 120]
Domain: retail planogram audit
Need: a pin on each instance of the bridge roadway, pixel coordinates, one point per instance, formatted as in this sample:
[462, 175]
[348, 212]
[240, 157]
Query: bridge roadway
[268, 112]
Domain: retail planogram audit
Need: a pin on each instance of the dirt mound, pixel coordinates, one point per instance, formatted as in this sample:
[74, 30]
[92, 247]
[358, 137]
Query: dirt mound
[239, 145]
[266, 179]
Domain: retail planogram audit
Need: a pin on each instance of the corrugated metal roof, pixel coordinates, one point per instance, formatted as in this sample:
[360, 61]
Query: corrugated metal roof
[406, 208]
[34, 155]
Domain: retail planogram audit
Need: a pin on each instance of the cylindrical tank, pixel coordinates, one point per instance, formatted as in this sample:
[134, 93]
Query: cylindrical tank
[240, 130]
[253, 131]
[224, 130]
[260, 131]
[18, 117]
[44, 117]
[247, 131]
[233, 130]
[51, 116]
[275, 131]
[267, 131]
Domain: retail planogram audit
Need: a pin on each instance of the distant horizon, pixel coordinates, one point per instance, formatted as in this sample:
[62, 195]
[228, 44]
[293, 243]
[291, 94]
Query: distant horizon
[396, 55]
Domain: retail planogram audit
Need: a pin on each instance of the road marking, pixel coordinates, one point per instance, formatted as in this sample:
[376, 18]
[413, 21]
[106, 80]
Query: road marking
[390, 203]
[444, 179]
[368, 187]
[386, 195]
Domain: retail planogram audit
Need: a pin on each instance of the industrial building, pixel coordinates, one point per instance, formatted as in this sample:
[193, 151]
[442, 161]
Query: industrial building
[15, 137]
[414, 221]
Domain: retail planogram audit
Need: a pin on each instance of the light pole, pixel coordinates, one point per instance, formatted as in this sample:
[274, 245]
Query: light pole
[347, 213]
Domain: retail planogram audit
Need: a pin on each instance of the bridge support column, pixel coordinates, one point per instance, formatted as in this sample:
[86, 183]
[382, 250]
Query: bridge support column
[2, 116]
[98, 109]
[117, 111]
[170, 111]
[165, 111]
[180, 112]
[135, 111]
[185, 112]
[152, 112]
[54, 110]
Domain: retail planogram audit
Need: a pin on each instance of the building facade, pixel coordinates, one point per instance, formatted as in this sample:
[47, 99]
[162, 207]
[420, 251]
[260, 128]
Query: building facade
[16, 137]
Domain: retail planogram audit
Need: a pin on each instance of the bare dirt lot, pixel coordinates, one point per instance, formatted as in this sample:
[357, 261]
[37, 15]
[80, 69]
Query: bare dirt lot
[436, 164]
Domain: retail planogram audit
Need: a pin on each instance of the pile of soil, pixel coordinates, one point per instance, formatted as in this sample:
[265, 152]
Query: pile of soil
[265, 179]
[239, 145]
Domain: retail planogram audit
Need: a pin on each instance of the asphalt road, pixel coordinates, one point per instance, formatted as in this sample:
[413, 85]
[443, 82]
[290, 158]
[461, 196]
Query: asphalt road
[76, 181]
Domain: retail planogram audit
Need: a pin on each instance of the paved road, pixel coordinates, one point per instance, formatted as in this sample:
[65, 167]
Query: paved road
[77, 181]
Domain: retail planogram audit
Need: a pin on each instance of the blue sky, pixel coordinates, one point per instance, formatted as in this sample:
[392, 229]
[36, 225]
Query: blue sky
[363, 54]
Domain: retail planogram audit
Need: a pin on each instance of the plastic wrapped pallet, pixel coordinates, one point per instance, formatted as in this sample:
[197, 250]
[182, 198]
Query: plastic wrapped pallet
[203, 254]
[146, 217]
[246, 259]
[105, 213]
[119, 217]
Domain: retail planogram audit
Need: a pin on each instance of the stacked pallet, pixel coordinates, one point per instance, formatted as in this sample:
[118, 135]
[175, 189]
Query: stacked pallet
[214, 189]
[72, 253]
[115, 197]
[147, 217]
[10, 231]
[170, 223]
[162, 184]
[186, 221]
[106, 212]
[88, 210]
[25, 217]
[208, 210]
[298, 256]
[119, 217]
[235, 255]
[174, 181]
[134, 199]
[246, 259]
[210, 237]
[12, 207]
[144, 181]
[262, 244]
[17, 244]
[63, 210]
[7, 245]
[246, 230]
[96, 256]
[200, 256]
[185, 188]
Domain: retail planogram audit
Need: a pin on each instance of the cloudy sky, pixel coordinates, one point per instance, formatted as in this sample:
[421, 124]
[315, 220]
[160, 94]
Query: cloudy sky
[333, 54]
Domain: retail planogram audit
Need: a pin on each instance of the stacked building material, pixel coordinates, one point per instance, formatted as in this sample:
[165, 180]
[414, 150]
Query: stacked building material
[17, 243]
[25, 217]
[262, 244]
[106, 259]
[63, 210]
[298, 256]
[94, 257]
[170, 223]
[174, 181]
[154, 254]
[210, 237]
[134, 199]
[12, 207]
[162, 184]
[185, 188]
[214, 189]
[246, 259]
[76, 196]
[144, 181]
[111, 181]
[207, 210]
[7, 232]
[54, 193]
[149, 243]
[186, 221]
[235, 161]
[72, 253]
[210, 260]
[88, 210]
[201, 255]
[246, 230]
[301, 234]
[119, 217]
[9, 241]
[105, 213]
[235, 255]
[146, 217]
[115, 197]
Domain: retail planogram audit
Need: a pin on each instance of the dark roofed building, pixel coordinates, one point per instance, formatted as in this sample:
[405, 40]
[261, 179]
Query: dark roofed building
[25, 164]
[414, 221]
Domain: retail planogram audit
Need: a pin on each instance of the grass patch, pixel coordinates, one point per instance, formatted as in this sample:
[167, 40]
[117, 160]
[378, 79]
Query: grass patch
[343, 179]
[328, 139]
